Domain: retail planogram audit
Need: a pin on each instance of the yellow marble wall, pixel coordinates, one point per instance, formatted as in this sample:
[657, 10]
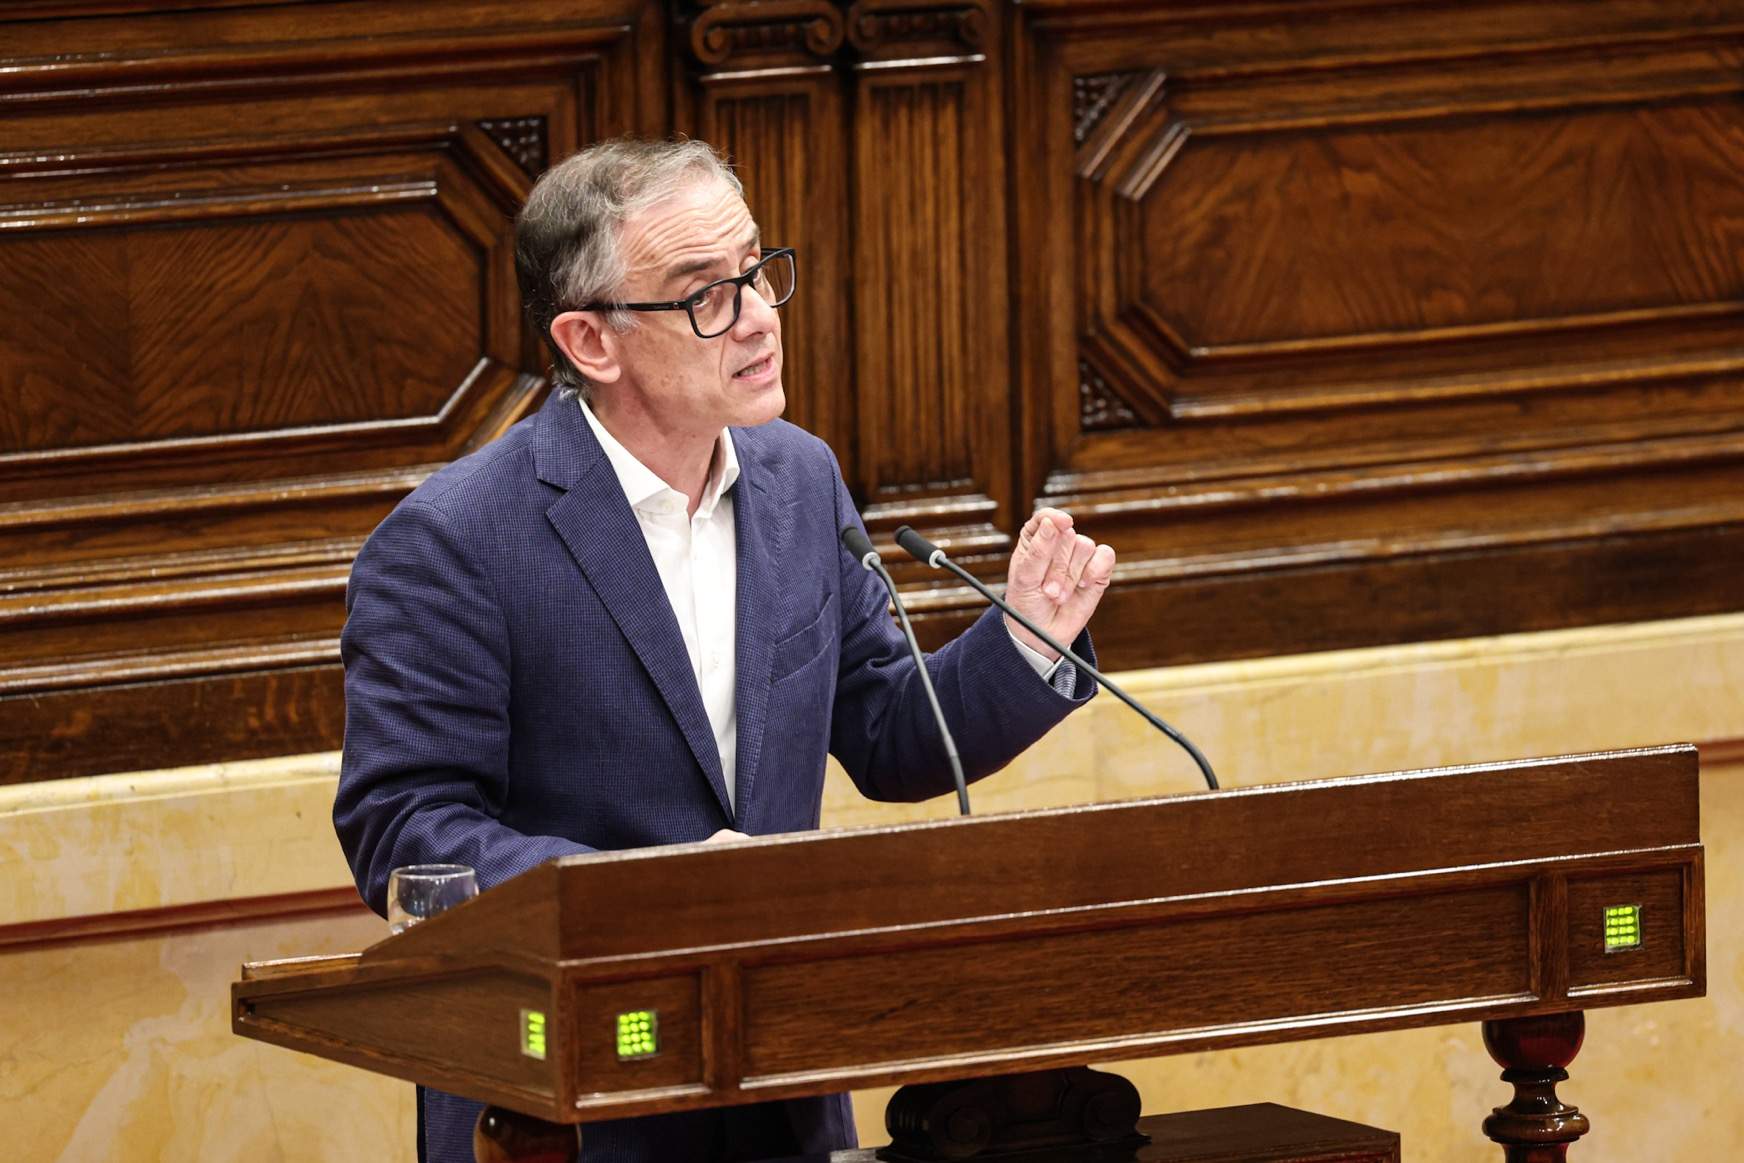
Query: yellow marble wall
[119, 1048]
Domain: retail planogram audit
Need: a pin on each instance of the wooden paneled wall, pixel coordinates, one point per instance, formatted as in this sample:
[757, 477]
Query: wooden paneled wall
[1345, 322]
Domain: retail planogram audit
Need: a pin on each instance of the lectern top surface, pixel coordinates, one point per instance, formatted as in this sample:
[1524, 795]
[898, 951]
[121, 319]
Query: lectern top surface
[811, 885]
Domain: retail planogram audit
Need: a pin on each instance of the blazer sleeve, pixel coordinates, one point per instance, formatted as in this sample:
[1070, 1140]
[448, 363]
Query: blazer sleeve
[425, 770]
[882, 729]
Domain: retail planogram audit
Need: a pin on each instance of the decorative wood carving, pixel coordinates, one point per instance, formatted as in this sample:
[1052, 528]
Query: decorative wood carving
[878, 24]
[259, 284]
[739, 29]
[1536, 1127]
[1091, 98]
[1099, 408]
[522, 138]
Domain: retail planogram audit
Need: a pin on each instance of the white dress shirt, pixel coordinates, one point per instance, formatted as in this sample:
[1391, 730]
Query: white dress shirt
[689, 549]
[692, 548]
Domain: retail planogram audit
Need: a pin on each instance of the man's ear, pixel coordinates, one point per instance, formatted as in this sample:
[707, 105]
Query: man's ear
[590, 345]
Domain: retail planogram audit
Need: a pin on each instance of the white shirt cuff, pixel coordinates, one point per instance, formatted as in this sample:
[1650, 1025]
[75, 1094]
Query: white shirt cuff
[1038, 662]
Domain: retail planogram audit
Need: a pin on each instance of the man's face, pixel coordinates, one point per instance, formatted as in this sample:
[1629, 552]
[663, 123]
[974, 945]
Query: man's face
[686, 385]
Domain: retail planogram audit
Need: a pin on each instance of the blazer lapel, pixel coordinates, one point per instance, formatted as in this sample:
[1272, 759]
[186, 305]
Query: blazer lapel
[762, 526]
[595, 522]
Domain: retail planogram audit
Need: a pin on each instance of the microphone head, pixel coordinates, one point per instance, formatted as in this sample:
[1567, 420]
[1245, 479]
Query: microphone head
[860, 545]
[918, 547]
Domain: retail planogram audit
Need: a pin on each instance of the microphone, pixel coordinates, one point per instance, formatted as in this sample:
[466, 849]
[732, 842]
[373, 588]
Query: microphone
[921, 549]
[860, 546]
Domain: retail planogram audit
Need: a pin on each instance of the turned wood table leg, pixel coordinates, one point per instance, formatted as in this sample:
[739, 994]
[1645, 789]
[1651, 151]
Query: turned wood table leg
[1536, 1127]
[502, 1136]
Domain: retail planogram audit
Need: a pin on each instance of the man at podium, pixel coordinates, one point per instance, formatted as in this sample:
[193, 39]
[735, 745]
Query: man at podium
[629, 621]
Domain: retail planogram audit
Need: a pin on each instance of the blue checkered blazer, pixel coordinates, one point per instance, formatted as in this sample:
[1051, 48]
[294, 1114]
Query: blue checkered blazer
[516, 689]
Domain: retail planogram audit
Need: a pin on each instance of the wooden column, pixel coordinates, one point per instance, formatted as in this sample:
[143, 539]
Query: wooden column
[1536, 1127]
[932, 296]
[762, 82]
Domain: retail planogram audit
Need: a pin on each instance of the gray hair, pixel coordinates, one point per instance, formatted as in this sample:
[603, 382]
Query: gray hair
[567, 238]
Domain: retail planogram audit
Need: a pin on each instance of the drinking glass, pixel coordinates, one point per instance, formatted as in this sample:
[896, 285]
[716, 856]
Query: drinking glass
[423, 890]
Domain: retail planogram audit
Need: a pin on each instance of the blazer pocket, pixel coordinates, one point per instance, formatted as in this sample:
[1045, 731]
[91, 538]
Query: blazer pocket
[803, 645]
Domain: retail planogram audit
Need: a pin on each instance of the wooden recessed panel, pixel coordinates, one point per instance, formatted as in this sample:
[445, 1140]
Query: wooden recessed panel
[244, 299]
[1248, 240]
[676, 1033]
[1166, 980]
[1383, 300]
[237, 328]
[258, 283]
[1239, 265]
[1659, 926]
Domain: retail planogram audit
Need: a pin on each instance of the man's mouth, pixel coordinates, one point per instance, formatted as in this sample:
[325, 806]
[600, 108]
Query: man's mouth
[757, 369]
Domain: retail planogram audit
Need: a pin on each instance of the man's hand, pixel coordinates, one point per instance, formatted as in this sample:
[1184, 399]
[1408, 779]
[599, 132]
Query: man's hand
[726, 836]
[1057, 577]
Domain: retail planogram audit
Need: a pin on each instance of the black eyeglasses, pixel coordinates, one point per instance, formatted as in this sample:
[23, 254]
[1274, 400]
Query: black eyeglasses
[715, 308]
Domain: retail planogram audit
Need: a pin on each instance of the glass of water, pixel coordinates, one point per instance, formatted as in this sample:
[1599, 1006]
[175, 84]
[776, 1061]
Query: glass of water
[423, 890]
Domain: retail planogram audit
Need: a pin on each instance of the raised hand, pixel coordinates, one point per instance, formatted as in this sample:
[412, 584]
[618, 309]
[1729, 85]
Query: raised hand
[1057, 577]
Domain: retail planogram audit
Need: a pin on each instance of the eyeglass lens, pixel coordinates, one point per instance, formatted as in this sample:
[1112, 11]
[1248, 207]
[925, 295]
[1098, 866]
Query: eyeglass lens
[716, 308]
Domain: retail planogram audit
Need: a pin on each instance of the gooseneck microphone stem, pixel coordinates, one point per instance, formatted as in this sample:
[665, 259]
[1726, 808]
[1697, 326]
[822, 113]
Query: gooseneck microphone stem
[861, 547]
[921, 549]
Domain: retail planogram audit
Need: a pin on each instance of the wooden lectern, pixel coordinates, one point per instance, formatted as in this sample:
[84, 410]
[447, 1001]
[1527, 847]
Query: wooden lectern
[991, 948]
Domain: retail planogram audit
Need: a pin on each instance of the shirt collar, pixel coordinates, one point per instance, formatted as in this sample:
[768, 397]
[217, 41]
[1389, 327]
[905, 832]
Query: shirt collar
[640, 483]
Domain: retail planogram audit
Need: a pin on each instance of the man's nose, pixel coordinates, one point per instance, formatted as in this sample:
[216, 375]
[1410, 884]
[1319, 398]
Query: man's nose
[755, 314]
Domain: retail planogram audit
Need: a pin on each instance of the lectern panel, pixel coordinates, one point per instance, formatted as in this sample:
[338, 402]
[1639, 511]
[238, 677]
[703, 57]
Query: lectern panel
[637, 1035]
[434, 1021]
[1156, 980]
[1626, 928]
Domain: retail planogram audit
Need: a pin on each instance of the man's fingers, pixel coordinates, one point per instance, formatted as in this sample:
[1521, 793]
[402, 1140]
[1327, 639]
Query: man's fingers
[1082, 550]
[1034, 553]
[1058, 583]
[1098, 572]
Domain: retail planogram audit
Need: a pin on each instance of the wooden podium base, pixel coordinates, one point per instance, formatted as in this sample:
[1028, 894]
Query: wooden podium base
[1262, 1133]
[1079, 1115]
[1076, 1113]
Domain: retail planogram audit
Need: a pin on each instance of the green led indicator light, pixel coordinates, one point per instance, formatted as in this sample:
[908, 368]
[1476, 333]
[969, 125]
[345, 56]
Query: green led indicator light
[1622, 928]
[638, 1035]
[533, 1034]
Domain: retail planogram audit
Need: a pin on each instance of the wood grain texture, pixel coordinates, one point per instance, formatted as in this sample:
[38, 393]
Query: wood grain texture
[933, 301]
[1347, 323]
[259, 284]
[1368, 292]
[805, 964]
[787, 145]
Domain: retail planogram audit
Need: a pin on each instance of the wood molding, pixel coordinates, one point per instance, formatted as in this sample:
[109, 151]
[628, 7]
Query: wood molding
[282, 251]
[133, 924]
[1721, 753]
[275, 68]
[1555, 398]
[943, 29]
[765, 32]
